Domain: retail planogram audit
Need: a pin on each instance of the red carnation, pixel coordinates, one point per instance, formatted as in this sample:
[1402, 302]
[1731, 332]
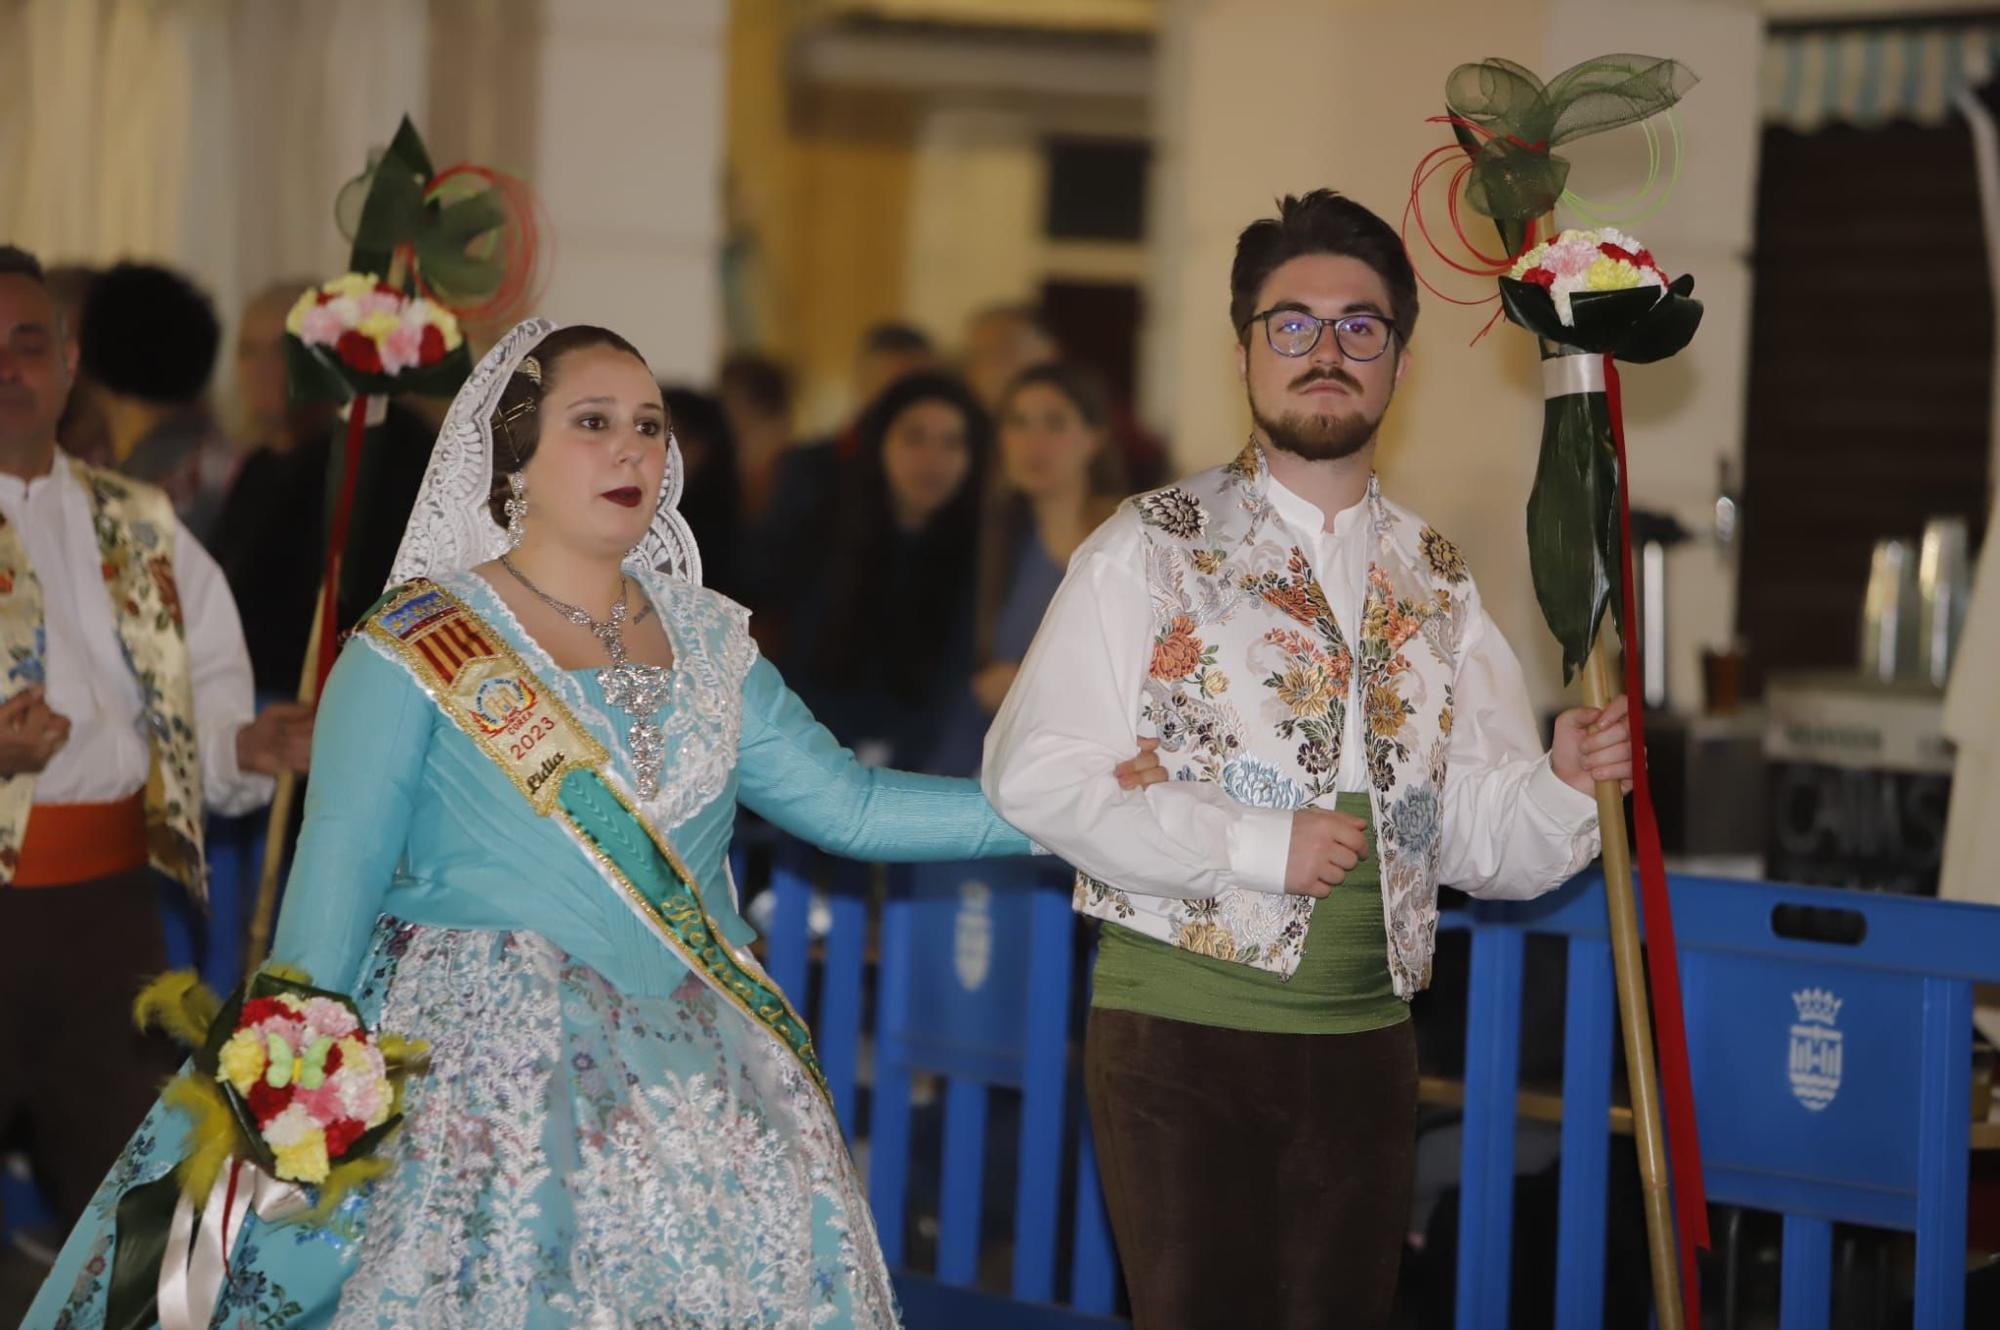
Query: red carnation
[1541, 277]
[359, 353]
[323, 298]
[258, 1010]
[266, 1103]
[332, 1063]
[1643, 259]
[430, 349]
[341, 1133]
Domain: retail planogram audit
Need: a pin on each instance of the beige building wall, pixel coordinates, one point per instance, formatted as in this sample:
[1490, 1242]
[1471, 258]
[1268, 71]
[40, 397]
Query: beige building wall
[976, 210]
[1257, 98]
[819, 182]
[629, 131]
[978, 199]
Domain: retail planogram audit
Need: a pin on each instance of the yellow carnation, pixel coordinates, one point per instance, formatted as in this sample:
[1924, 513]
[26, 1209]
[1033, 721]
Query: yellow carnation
[376, 327]
[304, 1161]
[1609, 274]
[353, 285]
[242, 1060]
[296, 319]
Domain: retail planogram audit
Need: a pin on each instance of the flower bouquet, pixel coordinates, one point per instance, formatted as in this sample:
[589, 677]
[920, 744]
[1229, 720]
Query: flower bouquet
[285, 1089]
[1592, 298]
[358, 334]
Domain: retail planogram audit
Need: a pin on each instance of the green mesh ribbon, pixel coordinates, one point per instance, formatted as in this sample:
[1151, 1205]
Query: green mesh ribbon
[1510, 123]
[448, 228]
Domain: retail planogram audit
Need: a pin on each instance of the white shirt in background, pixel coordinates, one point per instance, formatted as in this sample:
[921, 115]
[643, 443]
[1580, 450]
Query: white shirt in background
[107, 757]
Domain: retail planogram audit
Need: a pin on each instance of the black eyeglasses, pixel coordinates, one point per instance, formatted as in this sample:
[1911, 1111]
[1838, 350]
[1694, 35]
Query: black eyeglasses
[1295, 332]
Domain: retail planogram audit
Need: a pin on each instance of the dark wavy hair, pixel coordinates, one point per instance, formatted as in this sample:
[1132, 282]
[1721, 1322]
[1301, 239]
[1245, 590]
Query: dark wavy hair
[908, 637]
[149, 332]
[1322, 222]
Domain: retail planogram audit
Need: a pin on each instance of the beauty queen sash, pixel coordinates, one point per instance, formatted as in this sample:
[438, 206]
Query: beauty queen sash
[482, 684]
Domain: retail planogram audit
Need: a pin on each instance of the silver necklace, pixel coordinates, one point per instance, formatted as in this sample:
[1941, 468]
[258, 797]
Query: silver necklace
[637, 690]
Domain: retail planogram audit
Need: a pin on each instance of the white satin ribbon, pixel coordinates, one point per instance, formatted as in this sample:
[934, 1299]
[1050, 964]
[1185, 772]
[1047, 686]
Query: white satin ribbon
[378, 409]
[1565, 376]
[196, 1261]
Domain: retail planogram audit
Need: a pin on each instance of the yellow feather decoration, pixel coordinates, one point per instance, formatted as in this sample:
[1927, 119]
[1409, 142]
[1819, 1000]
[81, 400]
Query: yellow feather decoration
[212, 1132]
[343, 1179]
[179, 1003]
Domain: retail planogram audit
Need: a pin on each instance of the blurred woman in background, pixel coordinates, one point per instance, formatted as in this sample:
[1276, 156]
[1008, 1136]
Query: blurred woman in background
[882, 643]
[1059, 477]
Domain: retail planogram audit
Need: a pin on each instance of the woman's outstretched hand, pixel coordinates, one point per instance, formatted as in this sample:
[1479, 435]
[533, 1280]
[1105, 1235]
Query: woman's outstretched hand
[1142, 769]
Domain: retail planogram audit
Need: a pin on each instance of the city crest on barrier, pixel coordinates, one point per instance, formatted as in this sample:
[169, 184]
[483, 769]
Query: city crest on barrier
[972, 935]
[1816, 1048]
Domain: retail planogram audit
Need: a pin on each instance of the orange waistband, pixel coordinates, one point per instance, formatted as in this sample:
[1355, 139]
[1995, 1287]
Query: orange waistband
[69, 843]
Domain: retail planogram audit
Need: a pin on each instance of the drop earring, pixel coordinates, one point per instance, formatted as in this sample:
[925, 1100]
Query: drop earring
[517, 509]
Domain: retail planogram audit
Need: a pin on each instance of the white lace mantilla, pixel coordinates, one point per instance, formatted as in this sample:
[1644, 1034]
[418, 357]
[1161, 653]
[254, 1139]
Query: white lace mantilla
[451, 528]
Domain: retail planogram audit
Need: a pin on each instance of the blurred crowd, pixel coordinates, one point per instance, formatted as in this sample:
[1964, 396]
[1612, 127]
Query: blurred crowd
[896, 568]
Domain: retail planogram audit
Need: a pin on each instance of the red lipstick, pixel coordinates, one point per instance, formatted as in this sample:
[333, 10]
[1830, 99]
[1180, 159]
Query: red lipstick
[628, 497]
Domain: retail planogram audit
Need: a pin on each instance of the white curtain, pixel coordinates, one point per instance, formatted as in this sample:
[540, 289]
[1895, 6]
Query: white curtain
[209, 134]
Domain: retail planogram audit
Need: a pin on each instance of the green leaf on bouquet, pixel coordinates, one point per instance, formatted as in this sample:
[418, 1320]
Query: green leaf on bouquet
[442, 230]
[145, 1215]
[1573, 524]
[1665, 329]
[393, 208]
[1638, 326]
[311, 376]
[317, 374]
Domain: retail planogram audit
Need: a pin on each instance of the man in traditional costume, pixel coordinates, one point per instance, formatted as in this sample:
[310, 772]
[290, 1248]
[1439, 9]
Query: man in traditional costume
[128, 713]
[1347, 729]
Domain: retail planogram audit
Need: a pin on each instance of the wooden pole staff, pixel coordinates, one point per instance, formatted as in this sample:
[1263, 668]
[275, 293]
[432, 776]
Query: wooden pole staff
[1635, 1008]
[280, 820]
[1635, 1011]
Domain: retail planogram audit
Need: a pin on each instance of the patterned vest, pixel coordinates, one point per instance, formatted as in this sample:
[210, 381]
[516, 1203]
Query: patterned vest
[135, 528]
[1249, 685]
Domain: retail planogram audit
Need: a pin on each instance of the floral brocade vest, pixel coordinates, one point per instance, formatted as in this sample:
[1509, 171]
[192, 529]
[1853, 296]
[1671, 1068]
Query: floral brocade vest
[134, 525]
[1248, 687]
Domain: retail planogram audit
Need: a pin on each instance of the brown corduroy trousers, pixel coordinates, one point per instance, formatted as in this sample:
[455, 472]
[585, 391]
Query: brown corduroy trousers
[1255, 1181]
[72, 1064]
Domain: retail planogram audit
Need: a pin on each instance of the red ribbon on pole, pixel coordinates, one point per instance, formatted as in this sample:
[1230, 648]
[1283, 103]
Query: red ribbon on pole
[336, 544]
[1663, 968]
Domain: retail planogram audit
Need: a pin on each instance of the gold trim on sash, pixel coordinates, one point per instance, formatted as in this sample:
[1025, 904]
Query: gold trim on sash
[481, 682]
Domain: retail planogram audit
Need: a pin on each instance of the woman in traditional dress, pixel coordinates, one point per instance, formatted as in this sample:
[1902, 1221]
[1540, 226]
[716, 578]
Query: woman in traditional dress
[515, 847]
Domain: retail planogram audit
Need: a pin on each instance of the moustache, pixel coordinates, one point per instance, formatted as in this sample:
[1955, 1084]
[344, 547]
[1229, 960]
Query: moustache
[1341, 377]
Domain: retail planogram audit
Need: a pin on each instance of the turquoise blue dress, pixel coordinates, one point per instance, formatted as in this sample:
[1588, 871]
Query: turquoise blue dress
[601, 1140]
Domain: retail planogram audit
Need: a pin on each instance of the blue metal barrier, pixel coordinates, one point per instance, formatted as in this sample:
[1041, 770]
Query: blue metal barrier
[976, 980]
[1830, 1037]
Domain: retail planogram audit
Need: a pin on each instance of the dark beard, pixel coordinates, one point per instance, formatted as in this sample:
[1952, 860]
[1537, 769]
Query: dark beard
[1317, 438]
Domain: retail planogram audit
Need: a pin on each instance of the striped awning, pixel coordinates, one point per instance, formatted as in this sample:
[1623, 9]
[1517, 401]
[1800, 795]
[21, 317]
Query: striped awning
[1815, 78]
